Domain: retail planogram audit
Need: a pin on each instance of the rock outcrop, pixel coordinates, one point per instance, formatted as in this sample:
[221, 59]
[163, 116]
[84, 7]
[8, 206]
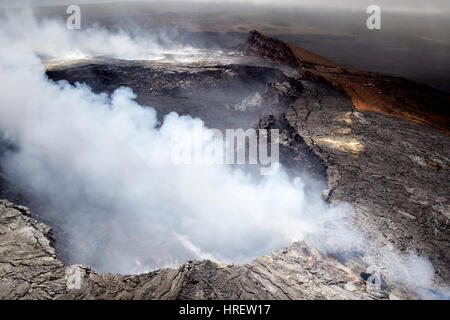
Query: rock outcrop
[395, 172]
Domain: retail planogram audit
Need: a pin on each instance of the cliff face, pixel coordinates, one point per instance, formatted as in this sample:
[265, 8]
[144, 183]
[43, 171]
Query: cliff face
[394, 172]
[368, 91]
[271, 48]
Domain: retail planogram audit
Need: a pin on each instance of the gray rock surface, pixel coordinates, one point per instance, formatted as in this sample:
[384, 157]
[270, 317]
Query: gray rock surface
[394, 172]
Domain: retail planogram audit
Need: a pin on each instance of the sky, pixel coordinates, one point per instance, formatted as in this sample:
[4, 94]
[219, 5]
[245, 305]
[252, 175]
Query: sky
[405, 6]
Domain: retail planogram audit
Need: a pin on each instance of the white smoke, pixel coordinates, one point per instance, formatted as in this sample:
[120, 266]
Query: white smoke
[103, 164]
[51, 39]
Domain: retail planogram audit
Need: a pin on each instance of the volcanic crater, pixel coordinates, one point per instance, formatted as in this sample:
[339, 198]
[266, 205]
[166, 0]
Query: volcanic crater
[384, 154]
